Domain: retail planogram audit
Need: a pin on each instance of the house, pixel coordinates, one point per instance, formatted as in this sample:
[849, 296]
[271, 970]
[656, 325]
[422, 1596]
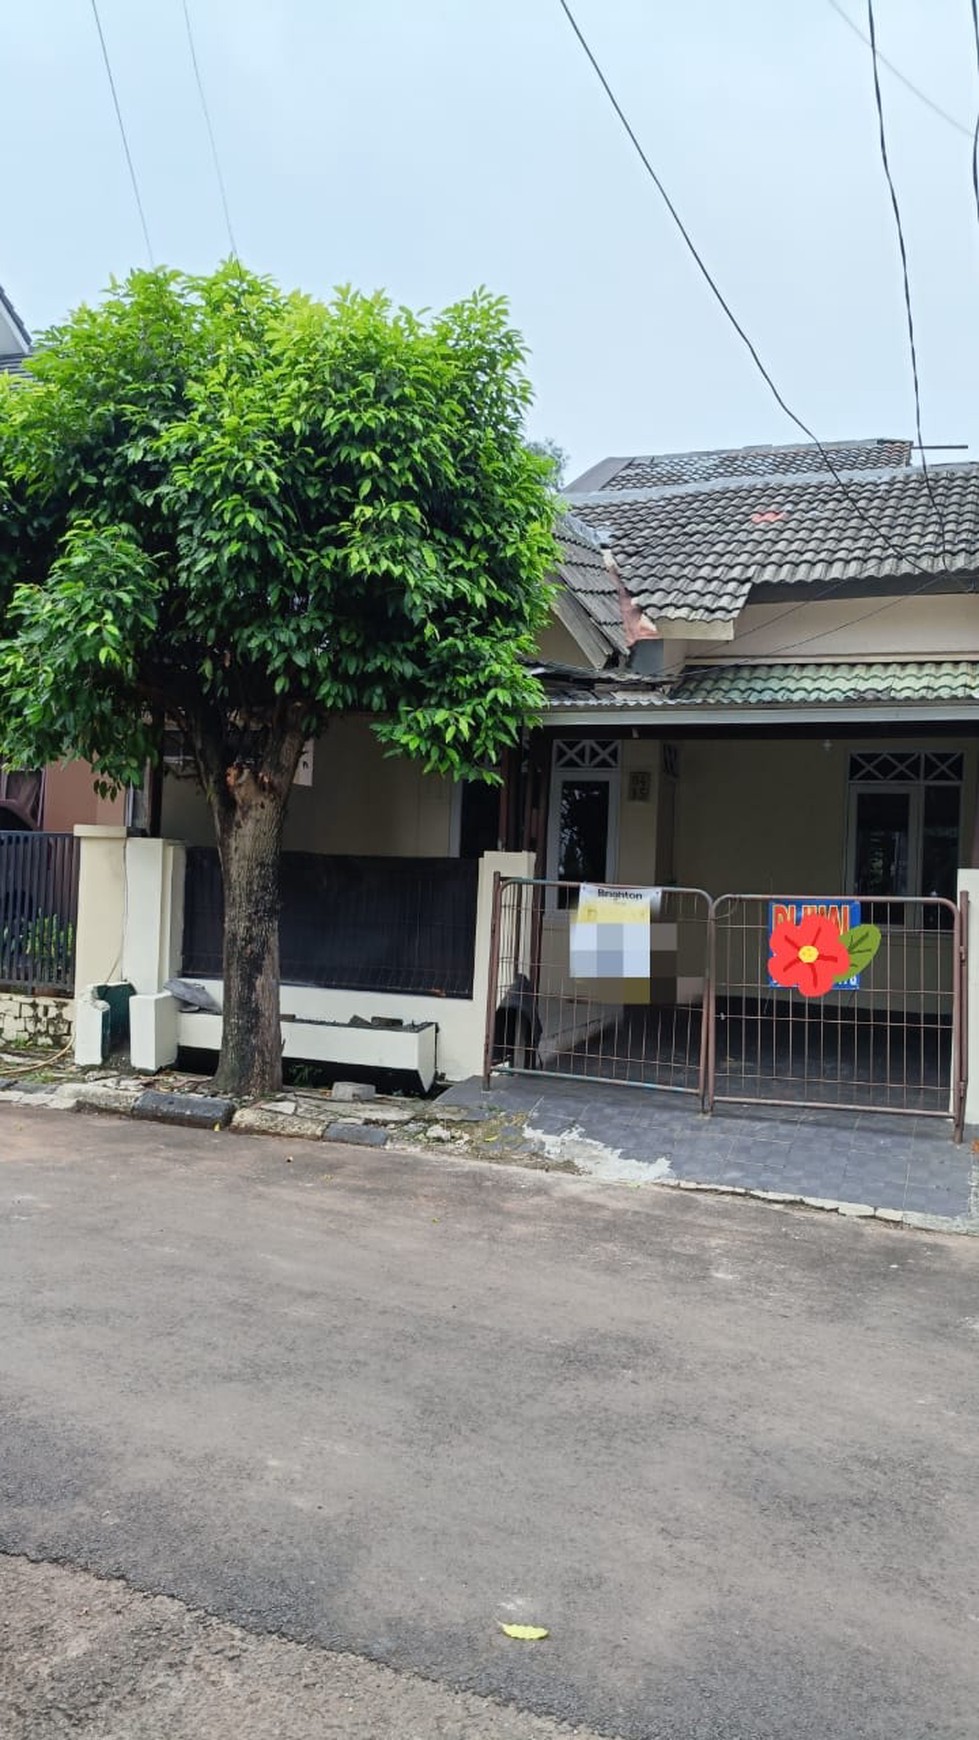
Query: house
[762, 692]
[762, 679]
[801, 685]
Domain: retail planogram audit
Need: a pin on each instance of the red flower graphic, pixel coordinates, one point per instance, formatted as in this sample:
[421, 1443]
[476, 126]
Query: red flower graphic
[808, 956]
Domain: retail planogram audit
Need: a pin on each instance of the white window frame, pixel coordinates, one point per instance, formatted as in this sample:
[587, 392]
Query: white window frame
[562, 775]
[915, 789]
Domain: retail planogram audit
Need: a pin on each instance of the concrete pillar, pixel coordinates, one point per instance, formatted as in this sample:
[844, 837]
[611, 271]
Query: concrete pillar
[969, 884]
[154, 913]
[101, 904]
[471, 1031]
[99, 929]
[152, 947]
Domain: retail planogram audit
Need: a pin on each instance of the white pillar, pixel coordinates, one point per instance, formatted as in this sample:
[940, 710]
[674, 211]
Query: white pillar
[154, 913]
[101, 904]
[969, 884]
[98, 929]
[472, 1032]
[152, 947]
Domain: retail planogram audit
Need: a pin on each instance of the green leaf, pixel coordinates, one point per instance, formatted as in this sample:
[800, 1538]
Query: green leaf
[861, 945]
[524, 1633]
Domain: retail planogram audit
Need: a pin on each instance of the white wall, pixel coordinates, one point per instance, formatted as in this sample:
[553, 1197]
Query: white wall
[939, 626]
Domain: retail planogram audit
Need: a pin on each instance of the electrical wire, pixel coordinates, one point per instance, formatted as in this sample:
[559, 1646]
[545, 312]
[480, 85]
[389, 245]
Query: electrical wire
[975, 135]
[922, 96]
[719, 297]
[122, 131]
[210, 131]
[895, 207]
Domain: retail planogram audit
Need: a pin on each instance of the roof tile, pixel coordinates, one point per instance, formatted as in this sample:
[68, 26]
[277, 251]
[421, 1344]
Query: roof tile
[695, 552]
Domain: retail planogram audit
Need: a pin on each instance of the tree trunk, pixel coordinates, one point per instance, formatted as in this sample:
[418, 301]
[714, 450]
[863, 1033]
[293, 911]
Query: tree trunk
[249, 816]
[251, 1042]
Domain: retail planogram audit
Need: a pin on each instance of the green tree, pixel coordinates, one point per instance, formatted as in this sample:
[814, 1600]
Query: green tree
[247, 512]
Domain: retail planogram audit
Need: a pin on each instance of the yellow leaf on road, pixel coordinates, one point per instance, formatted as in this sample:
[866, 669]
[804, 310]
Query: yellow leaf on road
[525, 1633]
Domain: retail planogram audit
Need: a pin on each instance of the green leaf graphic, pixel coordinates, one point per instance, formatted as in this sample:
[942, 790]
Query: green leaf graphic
[861, 945]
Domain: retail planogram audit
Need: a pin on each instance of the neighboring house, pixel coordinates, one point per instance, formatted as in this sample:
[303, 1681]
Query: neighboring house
[15, 340]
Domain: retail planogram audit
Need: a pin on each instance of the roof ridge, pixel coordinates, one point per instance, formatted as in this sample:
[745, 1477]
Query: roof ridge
[773, 480]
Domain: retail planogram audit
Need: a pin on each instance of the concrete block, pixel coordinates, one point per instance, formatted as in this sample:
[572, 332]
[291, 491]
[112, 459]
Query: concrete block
[91, 1016]
[353, 1090]
[194, 1111]
[152, 1031]
[360, 1135]
[260, 1121]
[100, 1097]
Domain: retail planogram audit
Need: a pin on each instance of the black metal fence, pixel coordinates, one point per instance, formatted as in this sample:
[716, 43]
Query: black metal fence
[38, 911]
[358, 924]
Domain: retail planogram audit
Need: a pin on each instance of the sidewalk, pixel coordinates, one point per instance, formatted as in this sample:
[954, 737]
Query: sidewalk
[901, 1169]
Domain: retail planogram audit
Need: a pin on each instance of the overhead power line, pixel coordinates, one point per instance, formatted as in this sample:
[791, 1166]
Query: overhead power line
[210, 131]
[122, 131]
[975, 136]
[896, 72]
[720, 299]
[895, 207]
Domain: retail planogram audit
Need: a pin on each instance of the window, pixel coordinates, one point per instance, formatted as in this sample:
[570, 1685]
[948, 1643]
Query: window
[904, 827]
[584, 812]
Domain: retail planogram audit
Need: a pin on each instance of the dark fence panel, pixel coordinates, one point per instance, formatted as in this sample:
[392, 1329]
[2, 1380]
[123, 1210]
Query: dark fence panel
[355, 924]
[38, 911]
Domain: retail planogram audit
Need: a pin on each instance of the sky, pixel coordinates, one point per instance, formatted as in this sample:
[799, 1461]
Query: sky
[433, 147]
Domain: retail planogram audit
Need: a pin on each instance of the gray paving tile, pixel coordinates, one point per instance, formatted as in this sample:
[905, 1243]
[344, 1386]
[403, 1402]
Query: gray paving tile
[922, 1200]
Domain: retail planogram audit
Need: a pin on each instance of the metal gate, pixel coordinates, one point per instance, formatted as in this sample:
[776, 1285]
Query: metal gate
[542, 1018]
[889, 1036]
[723, 1018]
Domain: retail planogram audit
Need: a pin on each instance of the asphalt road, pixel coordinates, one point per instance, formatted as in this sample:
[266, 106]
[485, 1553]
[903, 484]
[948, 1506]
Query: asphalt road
[376, 1404]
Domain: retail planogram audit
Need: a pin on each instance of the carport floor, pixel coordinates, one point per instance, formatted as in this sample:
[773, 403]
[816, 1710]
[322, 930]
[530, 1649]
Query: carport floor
[908, 1164]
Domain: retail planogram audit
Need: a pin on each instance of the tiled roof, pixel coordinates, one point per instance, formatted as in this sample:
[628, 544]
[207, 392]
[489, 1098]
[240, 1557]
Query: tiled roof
[828, 684]
[784, 685]
[589, 580]
[694, 552]
[726, 462]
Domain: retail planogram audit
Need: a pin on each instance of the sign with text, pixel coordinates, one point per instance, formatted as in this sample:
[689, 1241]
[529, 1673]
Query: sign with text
[610, 939]
[845, 914]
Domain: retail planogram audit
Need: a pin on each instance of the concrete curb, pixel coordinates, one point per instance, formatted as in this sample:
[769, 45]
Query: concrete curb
[827, 1205]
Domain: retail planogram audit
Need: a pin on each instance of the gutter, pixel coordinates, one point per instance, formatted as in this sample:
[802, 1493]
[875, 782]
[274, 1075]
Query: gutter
[760, 715]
